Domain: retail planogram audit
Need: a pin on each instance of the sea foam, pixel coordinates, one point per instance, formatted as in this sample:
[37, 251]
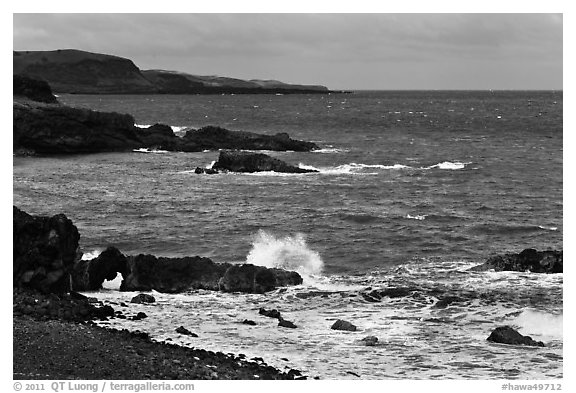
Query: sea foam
[288, 252]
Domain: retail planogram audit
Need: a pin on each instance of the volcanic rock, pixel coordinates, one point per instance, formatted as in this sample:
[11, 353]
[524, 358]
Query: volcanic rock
[34, 89]
[287, 324]
[507, 335]
[213, 138]
[343, 325]
[527, 260]
[57, 129]
[44, 250]
[270, 313]
[159, 136]
[88, 275]
[241, 161]
[256, 279]
[186, 332]
[370, 341]
[143, 298]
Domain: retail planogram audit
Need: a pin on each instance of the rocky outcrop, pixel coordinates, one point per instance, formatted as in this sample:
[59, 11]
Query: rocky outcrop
[57, 129]
[256, 279]
[171, 275]
[159, 136]
[33, 89]
[143, 298]
[343, 325]
[270, 313]
[507, 335]
[88, 275]
[286, 324]
[213, 138]
[528, 260]
[44, 251]
[369, 341]
[68, 307]
[240, 161]
[186, 332]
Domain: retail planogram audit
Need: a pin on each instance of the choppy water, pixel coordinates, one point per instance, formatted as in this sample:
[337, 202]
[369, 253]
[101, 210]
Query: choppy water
[414, 188]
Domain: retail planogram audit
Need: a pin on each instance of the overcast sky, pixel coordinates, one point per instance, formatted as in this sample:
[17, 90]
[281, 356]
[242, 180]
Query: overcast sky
[341, 51]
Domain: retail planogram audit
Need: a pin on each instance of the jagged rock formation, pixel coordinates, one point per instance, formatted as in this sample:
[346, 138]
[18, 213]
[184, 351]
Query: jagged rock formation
[239, 161]
[44, 251]
[527, 260]
[212, 138]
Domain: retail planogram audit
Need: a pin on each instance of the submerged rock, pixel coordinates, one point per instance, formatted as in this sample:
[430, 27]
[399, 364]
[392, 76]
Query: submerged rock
[44, 251]
[527, 260]
[507, 335]
[270, 313]
[343, 325]
[213, 138]
[241, 161]
[370, 341]
[249, 322]
[143, 298]
[186, 332]
[286, 324]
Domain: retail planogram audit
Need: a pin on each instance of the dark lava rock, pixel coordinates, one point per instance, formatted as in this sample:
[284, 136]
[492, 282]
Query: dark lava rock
[143, 298]
[171, 275]
[183, 330]
[242, 161]
[446, 301]
[208, 171]
[57, 129]
[256, 279]
[34, 89]
[270, 313]
[528, 260]
[213, 138]
[249, 322]
[507, 335]
[89, 275]
[159, 136]
[370, 341]
[139, 316]
[343, 325]
[287, 324]
[44, 251]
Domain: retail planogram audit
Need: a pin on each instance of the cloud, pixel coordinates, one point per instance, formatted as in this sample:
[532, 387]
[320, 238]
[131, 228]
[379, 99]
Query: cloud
[243, 44]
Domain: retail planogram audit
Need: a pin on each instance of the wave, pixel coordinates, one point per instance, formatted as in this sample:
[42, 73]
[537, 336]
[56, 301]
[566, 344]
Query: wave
[419, 217]
[329, 150]
[153, 151]
[356, 168]
[509, 229]
[545, 325]
[178, 130]
[289, 252]
[91, 254]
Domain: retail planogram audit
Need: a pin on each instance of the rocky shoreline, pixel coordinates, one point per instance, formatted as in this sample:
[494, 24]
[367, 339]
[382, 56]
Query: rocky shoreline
[52, 342]
[42, 126]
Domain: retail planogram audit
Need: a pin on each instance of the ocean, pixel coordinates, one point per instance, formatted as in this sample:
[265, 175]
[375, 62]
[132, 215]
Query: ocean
[415, 187]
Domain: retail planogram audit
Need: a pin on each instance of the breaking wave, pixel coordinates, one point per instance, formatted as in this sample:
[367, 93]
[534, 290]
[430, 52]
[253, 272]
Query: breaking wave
[288, 252]
[369, 169]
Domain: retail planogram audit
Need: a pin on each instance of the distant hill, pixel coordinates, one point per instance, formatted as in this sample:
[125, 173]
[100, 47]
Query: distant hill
[75, 71]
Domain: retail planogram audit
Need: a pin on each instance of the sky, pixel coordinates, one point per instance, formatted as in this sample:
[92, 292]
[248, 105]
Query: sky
[340, 51]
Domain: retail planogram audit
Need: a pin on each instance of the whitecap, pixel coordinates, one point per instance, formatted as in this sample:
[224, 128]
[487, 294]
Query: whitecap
[146, 150]
[449, 165]
[91, 254]
[548, 228]
[288, 252]
[419, 217]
